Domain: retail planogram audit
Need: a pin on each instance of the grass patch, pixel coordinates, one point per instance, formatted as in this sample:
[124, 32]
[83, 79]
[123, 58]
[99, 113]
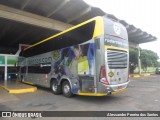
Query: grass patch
[149, 70]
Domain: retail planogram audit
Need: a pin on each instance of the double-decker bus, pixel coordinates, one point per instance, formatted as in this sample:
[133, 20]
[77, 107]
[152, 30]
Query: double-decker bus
[89, 59]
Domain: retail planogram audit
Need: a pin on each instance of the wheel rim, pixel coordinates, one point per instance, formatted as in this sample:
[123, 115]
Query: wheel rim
[66, 89]
[54, 87]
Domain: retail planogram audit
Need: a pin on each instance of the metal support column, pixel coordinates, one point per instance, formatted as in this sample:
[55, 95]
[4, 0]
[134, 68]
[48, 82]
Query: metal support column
[139, 60]
[5, 69]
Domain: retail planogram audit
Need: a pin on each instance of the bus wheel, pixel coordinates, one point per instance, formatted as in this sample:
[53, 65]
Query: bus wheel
[66, 88]
[55, 88]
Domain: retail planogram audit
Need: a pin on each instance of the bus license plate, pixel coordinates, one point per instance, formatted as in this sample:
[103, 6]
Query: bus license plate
[119, 87]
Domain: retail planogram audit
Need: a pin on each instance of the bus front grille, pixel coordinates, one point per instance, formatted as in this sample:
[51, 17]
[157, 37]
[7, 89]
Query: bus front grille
[117, 59]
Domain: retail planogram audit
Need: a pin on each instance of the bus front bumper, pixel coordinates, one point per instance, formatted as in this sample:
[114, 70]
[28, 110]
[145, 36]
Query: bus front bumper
[109, 89]
[100, 94]
[115, 89]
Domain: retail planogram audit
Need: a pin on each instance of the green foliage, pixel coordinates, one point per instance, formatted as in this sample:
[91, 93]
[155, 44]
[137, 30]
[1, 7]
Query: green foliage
[158, 64]
[133, 59]
[148, 59]
[149, 70]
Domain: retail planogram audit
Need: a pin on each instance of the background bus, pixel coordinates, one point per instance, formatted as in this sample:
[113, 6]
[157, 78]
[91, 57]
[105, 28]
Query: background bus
[90, 59]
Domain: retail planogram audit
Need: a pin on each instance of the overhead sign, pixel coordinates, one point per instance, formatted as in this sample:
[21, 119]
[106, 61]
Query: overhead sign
[11, 60]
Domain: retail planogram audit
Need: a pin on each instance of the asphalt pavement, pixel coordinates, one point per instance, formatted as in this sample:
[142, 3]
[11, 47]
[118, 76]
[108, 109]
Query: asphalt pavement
[142, 95]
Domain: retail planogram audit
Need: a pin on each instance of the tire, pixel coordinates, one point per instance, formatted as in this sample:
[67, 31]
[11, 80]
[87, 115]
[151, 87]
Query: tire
[66, 89]
[55, 88]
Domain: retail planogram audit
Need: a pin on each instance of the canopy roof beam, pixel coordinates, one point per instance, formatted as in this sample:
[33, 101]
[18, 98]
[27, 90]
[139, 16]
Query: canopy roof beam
[32, 19]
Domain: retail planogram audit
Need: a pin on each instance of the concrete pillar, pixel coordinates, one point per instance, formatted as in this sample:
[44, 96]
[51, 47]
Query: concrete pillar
[139, 60]
[5, 69]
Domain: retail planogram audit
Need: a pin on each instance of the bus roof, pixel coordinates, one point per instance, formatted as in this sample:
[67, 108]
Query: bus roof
[98, 30]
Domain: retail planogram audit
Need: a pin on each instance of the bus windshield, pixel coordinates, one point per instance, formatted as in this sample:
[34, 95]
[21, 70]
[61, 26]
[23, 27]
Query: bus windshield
[115, 34]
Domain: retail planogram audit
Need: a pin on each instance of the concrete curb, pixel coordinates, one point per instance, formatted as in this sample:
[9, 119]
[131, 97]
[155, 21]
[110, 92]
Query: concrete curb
[135, 76]
[139, 75]
[17, 91]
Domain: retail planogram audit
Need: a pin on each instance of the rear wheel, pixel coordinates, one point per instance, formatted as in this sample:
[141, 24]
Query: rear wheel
[55, 88]
[66, 89]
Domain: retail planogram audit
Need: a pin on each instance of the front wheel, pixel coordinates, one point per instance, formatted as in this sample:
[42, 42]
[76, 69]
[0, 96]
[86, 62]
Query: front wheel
[66, 88]
[55, 88]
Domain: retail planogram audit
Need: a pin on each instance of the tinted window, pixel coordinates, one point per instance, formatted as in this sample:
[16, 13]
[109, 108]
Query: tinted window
[39, 69]
[23, 69]
[114, 28]
[115, 34]
[73, 37]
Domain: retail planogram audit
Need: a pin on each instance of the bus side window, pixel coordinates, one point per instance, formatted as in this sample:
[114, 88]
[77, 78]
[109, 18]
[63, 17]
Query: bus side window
[97, 41]
[23, 69]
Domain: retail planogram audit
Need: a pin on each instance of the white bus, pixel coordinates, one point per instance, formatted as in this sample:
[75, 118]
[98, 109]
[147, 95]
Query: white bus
[89, 59]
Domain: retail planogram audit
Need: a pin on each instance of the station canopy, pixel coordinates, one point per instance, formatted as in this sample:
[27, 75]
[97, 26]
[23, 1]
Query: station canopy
[30, 21]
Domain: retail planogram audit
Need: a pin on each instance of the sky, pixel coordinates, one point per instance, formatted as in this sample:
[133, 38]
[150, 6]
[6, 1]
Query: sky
[143, 14]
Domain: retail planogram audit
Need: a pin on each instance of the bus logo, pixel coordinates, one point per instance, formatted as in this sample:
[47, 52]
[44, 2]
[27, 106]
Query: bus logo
[117, 29]
[110, 74]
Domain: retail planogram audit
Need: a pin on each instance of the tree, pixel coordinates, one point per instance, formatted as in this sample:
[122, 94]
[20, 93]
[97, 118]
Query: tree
[158, 64]
[148, 59]
[133, 59]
